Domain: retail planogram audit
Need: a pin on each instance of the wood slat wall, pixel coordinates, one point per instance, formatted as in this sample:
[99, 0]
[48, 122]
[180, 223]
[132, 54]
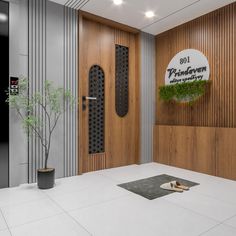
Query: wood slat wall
[203, 149]
[215, 35]
[201, 137]
[96, 162]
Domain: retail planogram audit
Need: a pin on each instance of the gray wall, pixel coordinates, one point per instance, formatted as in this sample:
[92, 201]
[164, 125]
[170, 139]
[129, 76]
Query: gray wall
[53, 56]
[147, 96]
[71, 82]
[18, 154]
[43, 45]
[52, 53]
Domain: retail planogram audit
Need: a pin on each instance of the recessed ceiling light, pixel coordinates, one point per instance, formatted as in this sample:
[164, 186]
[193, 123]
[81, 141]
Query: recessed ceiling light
[117, 2]
[3, 17]
[149, 14]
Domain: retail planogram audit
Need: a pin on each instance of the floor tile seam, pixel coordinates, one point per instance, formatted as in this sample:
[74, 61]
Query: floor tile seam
[23, 203]
[215, 178]
[186, 171]
[79, 223]
[217, 222]
[36, 220]
[213, 197]
[193, 211]
[107, 177]
[127, 195]
[210, 197]
[33, 190]
[100, 203]
[225, 222]
[203, 233]
[110, 178]
[9, 231]
[230, 226]
[118, 182]
[82, 189]
[8, 228]
[71, 217]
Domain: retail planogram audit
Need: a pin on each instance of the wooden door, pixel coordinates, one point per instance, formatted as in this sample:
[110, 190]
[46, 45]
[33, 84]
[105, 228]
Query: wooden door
[105, 139]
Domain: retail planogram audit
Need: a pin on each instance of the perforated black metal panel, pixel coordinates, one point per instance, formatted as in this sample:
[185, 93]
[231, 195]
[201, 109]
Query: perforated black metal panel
[96, 110]
[122, 80]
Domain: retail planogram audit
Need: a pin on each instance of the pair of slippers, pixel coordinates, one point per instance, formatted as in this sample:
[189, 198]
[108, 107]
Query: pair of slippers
[174, 186]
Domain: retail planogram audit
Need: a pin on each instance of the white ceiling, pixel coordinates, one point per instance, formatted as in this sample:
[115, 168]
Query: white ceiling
[168, 13]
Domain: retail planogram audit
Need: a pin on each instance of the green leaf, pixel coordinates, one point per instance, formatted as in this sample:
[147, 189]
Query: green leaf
[187, 92]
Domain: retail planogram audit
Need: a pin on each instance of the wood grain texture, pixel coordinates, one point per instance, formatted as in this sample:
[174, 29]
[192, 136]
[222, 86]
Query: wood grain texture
[123, 144]
[226, 153]
[215, 35]
[200, 137]
[207, 150]
[204, 154]
[111, 23]
[96, 162]
[97, 46]
[181, 147]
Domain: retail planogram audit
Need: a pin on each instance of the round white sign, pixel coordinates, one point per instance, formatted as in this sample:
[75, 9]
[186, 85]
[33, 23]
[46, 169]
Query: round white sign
[187, 66]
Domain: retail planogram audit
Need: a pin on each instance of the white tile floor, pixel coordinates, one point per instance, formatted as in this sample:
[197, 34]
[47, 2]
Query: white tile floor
[93, 204]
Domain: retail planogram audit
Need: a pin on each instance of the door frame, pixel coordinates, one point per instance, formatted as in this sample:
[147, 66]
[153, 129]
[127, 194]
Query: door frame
[88, 16]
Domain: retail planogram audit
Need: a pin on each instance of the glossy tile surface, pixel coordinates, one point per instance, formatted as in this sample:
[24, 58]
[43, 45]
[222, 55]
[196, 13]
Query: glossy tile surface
[93, 204]
[221, 230]
[5, 233]
[3, 224]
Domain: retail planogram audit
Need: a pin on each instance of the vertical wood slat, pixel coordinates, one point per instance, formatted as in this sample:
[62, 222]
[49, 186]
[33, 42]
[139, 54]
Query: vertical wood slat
[96, 162]
[213, 34]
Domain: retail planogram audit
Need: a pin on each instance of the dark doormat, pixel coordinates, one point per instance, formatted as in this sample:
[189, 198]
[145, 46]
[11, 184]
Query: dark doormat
[150, 187]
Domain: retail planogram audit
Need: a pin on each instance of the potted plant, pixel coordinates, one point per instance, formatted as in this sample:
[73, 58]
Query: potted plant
[53, 102]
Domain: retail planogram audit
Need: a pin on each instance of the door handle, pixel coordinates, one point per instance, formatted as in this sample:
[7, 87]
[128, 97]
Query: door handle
[84, 98]
[90, 98]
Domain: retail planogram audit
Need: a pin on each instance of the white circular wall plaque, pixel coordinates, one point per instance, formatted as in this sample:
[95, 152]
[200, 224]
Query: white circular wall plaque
[187, 66]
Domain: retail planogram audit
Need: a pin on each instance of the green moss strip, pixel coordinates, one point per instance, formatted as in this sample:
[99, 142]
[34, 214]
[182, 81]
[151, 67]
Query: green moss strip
[183, 92]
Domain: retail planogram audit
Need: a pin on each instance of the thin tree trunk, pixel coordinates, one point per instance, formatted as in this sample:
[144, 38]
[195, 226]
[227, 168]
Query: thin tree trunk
[46, 160]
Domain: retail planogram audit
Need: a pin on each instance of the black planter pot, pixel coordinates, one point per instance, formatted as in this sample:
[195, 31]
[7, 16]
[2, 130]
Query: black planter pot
[46, 178]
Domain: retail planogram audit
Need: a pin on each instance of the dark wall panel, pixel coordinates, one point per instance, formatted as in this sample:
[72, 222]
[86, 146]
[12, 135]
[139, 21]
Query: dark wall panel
[122, 80]
[4, 110]
[96, 110]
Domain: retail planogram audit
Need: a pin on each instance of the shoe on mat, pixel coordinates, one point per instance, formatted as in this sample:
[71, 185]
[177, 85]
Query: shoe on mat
[171, 187]
[179, 185]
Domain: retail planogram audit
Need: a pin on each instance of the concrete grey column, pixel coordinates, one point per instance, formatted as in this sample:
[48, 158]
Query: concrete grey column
[18, 33]
[147, 96]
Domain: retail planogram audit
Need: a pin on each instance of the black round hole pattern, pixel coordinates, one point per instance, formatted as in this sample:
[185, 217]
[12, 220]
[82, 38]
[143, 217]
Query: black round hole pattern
[96, 110]
[122, 80]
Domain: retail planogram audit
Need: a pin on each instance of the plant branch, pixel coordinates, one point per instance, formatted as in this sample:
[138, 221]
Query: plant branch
[35, 130]
[50, 102]
[49, 139]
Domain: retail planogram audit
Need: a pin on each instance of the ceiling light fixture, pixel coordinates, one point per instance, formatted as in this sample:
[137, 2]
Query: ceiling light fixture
[117, 2]
[149, 14]
[3, 17]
